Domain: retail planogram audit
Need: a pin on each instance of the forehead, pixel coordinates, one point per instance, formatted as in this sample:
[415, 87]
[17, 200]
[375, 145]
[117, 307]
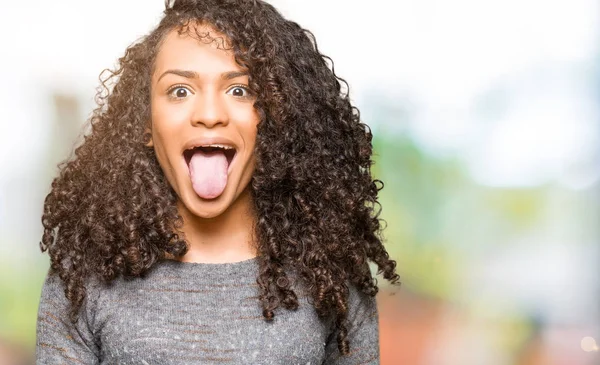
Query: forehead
[198, 48]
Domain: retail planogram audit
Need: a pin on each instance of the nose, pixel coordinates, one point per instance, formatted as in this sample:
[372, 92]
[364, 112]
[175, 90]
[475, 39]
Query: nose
[209, 110]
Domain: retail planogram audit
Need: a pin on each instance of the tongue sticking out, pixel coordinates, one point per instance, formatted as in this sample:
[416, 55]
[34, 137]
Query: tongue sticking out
[208, 171]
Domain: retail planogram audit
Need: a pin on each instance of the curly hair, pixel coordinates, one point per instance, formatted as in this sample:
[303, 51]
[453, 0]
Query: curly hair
[111, 212]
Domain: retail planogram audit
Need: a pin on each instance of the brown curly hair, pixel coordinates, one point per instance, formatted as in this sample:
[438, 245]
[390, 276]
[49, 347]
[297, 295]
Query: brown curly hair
[111, 212]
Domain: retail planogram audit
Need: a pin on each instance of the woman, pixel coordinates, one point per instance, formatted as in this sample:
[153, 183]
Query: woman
[222, 207]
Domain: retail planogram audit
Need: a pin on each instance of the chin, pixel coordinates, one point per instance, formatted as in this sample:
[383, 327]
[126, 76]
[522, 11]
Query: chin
[207, 209]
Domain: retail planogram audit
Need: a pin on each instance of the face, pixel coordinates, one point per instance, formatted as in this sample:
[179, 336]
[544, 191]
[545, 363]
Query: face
[203, 123]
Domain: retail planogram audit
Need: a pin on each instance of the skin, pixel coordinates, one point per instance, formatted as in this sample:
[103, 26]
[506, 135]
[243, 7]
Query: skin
[210, 99]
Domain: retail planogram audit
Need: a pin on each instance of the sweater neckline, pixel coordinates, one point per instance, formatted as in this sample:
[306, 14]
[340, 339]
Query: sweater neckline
[221, 267]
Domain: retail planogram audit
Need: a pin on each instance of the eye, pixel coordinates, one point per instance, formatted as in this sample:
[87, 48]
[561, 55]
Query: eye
[239, 91]
[178, 92]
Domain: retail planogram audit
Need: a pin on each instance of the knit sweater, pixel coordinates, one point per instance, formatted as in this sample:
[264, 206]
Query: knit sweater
[196, 313]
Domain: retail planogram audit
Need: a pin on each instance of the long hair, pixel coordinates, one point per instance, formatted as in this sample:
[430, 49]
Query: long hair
[111, 211]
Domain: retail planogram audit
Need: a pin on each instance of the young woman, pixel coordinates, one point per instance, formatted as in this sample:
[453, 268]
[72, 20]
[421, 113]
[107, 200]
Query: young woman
[221, 210]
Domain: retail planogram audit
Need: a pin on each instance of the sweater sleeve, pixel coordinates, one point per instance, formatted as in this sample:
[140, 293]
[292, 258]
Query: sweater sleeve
[363, 333]
[58, 340]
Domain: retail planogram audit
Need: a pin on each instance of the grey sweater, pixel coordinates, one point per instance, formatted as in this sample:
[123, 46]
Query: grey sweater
[196, 313]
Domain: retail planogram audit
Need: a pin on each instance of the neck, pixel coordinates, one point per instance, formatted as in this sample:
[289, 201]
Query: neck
[228, 237]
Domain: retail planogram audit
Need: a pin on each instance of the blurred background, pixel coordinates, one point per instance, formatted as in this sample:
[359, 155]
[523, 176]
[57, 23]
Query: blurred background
[486, 117]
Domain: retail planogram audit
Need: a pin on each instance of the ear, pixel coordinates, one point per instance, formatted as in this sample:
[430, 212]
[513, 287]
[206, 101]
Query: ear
[148, 133]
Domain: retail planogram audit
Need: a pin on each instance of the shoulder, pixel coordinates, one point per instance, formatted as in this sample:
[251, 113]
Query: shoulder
[362, 308]
[53, 295]
[362, 331]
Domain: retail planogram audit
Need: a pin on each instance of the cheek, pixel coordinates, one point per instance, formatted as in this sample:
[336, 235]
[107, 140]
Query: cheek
[167, 121]
[160, 151]
[251, 133]
[166, 116]
[248, 122]
[163, 133]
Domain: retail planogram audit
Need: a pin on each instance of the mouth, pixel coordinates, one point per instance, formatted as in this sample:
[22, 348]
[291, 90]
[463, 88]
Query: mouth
[209, 164]
[209, 150]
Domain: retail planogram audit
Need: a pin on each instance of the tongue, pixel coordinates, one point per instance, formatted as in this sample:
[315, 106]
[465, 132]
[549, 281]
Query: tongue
[208, 171]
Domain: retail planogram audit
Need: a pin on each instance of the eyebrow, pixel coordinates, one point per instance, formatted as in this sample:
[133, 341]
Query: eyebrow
[194, 75]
